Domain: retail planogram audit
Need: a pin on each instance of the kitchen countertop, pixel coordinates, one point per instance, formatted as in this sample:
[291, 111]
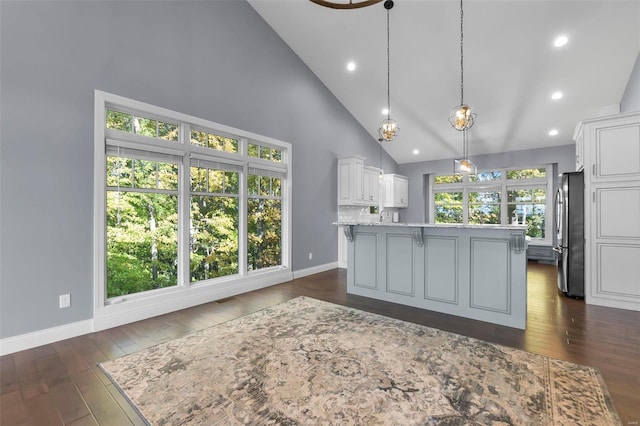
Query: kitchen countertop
[433, 225]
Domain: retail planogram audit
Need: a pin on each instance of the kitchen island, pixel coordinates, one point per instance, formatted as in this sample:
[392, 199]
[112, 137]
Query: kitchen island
[473, 271]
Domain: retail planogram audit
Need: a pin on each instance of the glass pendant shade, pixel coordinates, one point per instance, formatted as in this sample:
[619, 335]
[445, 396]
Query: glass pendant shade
[388, 130]
[464, 166]
[461, 117]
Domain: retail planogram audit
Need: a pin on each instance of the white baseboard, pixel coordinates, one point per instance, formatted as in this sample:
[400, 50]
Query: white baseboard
[314, 270]
[34, 339]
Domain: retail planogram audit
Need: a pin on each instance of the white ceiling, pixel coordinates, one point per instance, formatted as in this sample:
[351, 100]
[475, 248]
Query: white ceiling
[510, 66]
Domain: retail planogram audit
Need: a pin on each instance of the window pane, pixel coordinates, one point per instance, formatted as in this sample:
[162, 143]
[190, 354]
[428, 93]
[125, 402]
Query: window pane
[142, 242]
[447, 179]
[448, 214]
[252, 185]
[485, 214]
[216, 181]
[532, 215]
[253, 150]
[144, 126]
[119, 121]
[519, 196]
[230, 145]
[232, 180]
[145, 174]
[276, 155]
[264, 233]
[265, 153]
[485, 176]
[276, 187]
[198, 179]
[265, 185]
[198, 138]
[167, 176]
[119, 172]
[448, 197]
[484, 197]
[168, 131]
[213, 237]
[526, 173]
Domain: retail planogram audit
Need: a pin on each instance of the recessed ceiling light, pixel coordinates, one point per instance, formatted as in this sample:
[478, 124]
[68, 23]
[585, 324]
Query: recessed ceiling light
[416, 152]
[553, 132]
[556, 95]
[560, 41]
[351, 66]
[385, 111]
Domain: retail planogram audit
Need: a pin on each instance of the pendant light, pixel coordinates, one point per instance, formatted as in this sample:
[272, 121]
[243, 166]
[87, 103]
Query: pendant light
[462, 117]
[464, 165]
[388, 129]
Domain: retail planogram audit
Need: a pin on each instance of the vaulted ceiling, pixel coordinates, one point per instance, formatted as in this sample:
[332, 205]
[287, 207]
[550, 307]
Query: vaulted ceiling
[511, 66]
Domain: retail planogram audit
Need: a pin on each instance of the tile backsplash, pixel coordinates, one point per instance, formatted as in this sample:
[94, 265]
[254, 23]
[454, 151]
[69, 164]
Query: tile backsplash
[362, 214]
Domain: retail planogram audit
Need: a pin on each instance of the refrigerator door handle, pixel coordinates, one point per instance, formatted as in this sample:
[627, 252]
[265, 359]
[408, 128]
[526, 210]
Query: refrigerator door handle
[557, 249]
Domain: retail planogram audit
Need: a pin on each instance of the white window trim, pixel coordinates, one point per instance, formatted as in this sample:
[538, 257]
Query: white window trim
[135, 307]
[502, 185]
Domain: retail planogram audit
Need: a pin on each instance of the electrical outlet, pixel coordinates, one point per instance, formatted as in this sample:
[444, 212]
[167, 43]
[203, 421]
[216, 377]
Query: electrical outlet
[65, 301]
[310, 256]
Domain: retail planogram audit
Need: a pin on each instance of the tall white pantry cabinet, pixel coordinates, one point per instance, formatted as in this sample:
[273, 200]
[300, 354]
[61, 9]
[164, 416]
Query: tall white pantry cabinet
[609, 150]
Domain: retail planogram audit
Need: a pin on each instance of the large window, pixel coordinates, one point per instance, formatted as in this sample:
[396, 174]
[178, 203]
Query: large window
[504, 196]
[183, 201]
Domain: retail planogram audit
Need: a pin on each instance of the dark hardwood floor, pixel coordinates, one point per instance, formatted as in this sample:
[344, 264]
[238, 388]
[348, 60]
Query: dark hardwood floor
[60, 383]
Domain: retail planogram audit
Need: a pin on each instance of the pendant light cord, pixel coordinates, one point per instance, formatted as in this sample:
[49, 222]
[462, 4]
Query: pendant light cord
[461, 54]
[388, 72]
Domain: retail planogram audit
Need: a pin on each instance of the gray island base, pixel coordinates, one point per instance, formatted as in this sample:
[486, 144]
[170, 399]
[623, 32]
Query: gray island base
[477, 272]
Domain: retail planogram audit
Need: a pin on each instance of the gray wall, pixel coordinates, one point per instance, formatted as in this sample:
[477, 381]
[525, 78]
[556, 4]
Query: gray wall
[631, 98]
[563, 155]
[217, 60]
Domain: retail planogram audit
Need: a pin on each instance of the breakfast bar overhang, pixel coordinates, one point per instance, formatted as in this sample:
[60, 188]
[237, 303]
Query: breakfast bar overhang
[472, 271]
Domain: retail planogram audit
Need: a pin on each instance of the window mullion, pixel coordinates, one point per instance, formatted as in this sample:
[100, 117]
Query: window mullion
[184, 209]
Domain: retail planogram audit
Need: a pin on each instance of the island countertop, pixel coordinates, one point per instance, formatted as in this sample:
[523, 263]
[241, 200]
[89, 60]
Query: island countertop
[433, 225]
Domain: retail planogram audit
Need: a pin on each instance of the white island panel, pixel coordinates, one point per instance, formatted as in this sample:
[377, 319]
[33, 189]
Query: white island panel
[441, 269]
[472, 272]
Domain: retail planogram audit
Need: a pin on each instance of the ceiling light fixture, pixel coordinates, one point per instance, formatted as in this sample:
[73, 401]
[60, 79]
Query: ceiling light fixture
[560, 41]
[351, 66]
[385, 111]
[388, 129]
[553, 132]
[416, 152]
[556, 95]
[342, 5]
[461, 116]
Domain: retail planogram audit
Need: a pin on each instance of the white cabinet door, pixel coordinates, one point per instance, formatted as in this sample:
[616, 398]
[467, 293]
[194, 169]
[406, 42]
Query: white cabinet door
[350, 181]
[371, 179]
[395, 191]
[612, 208]
[616, 152]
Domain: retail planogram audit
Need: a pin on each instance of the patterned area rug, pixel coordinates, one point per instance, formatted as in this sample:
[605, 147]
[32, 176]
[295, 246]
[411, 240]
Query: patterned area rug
[311, 362]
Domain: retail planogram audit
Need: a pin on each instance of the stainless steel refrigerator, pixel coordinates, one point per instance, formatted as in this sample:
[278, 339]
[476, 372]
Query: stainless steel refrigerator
[570, 234]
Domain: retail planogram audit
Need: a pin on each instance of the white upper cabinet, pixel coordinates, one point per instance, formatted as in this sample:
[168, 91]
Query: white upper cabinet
[357, 184]
[371, 178]
[395, 191]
